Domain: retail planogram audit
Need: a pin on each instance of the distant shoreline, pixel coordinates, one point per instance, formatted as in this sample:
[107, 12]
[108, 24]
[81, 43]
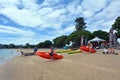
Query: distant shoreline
[7, 54]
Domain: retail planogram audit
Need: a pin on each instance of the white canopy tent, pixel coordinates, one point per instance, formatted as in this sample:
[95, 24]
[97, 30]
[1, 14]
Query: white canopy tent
[96, 39]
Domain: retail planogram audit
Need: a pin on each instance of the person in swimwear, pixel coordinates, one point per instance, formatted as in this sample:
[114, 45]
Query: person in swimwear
[51, 51]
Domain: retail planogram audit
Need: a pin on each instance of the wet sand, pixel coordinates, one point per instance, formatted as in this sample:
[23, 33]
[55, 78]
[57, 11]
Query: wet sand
[79, 66]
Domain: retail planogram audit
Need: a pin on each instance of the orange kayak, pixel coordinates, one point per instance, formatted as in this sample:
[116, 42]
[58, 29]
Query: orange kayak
[47, 55]
[87, 49]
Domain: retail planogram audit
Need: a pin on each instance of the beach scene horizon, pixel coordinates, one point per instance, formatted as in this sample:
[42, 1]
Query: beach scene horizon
[83, 65]
[59, 40]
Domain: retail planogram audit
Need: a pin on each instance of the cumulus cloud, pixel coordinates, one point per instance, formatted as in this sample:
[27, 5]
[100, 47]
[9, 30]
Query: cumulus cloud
[104, 19]
[55, 17]
[94, 6]
[23, 36]
[13, 30]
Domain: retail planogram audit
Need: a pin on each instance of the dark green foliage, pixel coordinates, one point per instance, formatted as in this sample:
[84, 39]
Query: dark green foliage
[101, 34]
[40, 45]
[75, 37]
[45, 44]
[27, 45]
[60, 41]
[11, 46]
[118, 34]
[116, 26]
[80, 24]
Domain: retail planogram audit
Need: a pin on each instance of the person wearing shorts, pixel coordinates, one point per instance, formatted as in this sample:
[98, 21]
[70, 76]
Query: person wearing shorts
[51, 51]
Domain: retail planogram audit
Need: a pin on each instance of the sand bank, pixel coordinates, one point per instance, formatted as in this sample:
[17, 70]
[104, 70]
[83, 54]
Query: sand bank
[80, 66]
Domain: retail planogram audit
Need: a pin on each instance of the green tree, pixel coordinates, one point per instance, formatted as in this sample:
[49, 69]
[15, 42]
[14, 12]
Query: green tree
[27, 45]
[118, 34]
[116, 26]
[60, 41]
[1, 46]
[101, 34]
[47, 44]
[5, 46]
[75, 37]
[11, 46]
[80, 24]
[40, 45]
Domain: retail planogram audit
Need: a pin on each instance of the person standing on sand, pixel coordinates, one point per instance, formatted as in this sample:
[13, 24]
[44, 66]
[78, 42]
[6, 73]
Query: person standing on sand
[105, 50]
[35, 50]
[51, 52]
[111, 51]
[90, 47]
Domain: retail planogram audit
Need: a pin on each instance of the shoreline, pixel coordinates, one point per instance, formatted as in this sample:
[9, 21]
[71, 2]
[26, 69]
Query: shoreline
[79, 66]
[7, 55]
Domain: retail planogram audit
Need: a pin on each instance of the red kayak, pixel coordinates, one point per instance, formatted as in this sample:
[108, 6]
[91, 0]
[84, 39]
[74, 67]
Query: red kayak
[47, 55]
[87, 49]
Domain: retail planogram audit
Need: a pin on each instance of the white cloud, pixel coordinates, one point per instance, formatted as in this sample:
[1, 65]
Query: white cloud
[38, 16]
[64, 31]
[22, 17]
[110, 12]
[55, 15]
[94, 5]
[50, 3]
[16, 31]
[23, 36]
[104, 19]
[43, 18]
[88, 13]
[74, 8]
[67, 30]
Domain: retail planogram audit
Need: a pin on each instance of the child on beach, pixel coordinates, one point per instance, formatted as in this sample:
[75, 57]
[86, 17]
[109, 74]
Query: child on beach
[51, 52]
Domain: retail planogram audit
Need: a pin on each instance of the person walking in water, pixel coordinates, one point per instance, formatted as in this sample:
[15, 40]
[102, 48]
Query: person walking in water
[51, 52]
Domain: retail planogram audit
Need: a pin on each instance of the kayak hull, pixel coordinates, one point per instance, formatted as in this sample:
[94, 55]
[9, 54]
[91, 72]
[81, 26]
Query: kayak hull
[87, 49]
[47, 55]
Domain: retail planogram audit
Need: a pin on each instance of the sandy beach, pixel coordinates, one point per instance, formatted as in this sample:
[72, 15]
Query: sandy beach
[79, 66]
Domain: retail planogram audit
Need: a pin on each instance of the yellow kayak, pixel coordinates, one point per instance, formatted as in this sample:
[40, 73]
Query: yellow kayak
[75, 51]
[63, 51]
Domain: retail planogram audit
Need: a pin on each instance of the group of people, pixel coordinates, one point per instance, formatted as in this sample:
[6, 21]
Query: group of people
[52, 51]
[109, 51]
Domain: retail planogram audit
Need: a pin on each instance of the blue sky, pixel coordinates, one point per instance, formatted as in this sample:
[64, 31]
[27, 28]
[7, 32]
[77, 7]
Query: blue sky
[34, 21]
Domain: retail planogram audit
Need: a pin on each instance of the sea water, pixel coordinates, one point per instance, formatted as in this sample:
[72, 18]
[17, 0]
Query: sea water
[7, 54]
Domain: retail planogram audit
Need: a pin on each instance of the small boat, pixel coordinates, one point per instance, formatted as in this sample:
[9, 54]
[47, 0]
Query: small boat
[47, 55]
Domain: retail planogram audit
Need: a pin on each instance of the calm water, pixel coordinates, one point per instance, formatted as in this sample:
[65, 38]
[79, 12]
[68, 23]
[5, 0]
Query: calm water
[7, 54]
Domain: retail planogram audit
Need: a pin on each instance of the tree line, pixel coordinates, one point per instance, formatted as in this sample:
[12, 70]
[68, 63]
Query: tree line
[75, 37]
